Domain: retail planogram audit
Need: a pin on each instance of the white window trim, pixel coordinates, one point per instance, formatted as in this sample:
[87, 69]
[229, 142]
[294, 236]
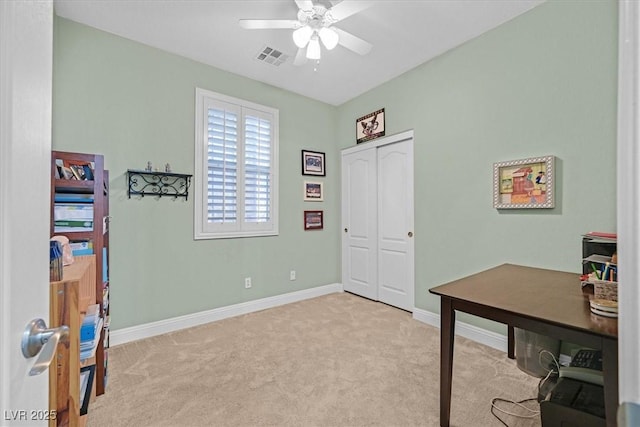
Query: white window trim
[200, 183]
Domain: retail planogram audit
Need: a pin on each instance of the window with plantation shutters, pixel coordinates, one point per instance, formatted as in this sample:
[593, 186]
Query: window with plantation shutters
[236, 167]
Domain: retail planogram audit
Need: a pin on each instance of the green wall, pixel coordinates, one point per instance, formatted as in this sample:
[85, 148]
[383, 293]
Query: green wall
[134, 103]
[541, 84]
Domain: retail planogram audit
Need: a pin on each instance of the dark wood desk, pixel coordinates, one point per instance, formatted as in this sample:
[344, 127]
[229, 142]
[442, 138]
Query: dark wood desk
[543, 301]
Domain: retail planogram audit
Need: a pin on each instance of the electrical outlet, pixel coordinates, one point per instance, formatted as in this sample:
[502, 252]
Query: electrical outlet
[247, 282]
[292, 275]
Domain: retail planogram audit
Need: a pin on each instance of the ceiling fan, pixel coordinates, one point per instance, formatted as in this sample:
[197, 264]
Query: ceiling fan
[315, 24]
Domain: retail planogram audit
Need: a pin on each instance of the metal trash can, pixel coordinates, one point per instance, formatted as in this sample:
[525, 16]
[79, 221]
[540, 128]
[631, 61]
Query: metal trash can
[529, 345]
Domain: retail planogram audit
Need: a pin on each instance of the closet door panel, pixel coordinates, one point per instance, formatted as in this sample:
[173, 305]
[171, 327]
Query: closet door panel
[359, 219]
[395, 225]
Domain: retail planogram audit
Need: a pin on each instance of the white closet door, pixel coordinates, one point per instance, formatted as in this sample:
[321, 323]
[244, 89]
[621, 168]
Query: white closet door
[395, 225]
[359, 219]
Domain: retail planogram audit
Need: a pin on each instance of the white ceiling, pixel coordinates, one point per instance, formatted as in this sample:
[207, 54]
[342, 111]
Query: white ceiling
[404, 34]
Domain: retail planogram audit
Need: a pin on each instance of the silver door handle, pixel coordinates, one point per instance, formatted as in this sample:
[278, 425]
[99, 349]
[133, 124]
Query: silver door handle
[410, 234]
[36, 338]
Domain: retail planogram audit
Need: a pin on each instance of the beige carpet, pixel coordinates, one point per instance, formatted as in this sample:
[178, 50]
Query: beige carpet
[336, 360]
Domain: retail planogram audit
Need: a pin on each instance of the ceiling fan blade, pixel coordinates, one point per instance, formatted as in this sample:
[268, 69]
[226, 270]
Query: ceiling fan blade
[347, 8]
[268, 24]
[352, 42]
[304, 4]
[301, 57]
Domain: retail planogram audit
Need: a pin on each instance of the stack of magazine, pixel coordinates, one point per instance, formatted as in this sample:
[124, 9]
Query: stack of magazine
[73, 217]
[90, 332]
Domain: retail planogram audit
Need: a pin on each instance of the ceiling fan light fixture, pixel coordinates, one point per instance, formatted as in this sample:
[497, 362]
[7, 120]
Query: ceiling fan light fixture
[302, 35]
[329, 37]
[313, 49]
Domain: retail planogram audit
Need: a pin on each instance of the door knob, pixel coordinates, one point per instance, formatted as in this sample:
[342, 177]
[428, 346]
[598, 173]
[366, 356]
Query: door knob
[346, 229]
[410, 234]
[36, 338]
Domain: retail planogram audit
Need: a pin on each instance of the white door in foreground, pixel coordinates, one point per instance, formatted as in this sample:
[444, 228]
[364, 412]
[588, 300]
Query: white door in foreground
[26, 44]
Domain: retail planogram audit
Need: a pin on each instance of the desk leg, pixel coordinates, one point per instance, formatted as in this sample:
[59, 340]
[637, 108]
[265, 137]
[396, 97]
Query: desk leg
[511, 339]
[447, 333]
[610, 371]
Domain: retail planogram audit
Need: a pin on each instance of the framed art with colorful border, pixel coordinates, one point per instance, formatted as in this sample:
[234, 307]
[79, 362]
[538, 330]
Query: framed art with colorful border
[524, 184]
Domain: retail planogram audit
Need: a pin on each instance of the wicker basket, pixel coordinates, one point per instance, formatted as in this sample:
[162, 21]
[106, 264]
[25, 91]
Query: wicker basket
[605, 290]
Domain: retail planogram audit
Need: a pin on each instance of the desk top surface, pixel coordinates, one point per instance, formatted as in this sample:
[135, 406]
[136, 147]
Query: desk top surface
[549, 295]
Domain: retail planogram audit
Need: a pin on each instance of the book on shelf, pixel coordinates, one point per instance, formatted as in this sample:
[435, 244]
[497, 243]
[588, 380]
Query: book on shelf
[78, 170]
[92, 313]
[105, 266]
[88, 347]
[106, 338]
[65, 172]
[63, 211]
[81, 223]
[87, 333]
[73, 198]
[105, 297]
[63, 229]
[88, 171]
[72, 217]
[83, 247]
[71, 229]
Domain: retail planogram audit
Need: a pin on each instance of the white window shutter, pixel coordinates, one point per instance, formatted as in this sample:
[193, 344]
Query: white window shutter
[236, 165]
[257, 168]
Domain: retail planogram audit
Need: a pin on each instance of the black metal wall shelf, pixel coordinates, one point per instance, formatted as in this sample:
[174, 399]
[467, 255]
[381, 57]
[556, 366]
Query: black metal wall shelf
[158, 183]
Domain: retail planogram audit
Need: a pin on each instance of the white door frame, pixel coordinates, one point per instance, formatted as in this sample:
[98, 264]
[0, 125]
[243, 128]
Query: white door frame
[26, 48]
[629, 200]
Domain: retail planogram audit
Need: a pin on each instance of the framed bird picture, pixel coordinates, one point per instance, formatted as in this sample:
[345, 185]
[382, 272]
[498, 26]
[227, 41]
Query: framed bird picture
[370, 126]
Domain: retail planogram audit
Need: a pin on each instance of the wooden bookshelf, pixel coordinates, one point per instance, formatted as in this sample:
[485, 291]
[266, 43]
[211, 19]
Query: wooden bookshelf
[94, 193]
[68, 302]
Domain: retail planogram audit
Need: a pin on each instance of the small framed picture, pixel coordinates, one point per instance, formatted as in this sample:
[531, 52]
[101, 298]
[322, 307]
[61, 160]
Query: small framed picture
[313, 220]
[313, 163]
[313, 191]
[524, 183]
[370, 126]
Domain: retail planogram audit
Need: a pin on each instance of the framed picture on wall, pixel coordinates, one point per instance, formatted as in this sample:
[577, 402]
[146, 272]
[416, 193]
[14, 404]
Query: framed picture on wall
[313, 191]
[370, 126]
[524, 184]
[313, 163]
[313, 220]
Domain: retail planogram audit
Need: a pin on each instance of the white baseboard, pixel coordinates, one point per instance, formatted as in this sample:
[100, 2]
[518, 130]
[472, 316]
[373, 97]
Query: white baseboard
[133, 333]
[482, 336]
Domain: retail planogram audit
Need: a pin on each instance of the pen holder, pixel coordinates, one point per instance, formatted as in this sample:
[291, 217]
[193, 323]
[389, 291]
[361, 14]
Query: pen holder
[604, 289]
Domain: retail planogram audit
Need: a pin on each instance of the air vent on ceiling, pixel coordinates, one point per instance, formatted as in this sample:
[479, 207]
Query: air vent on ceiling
[272, 56]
